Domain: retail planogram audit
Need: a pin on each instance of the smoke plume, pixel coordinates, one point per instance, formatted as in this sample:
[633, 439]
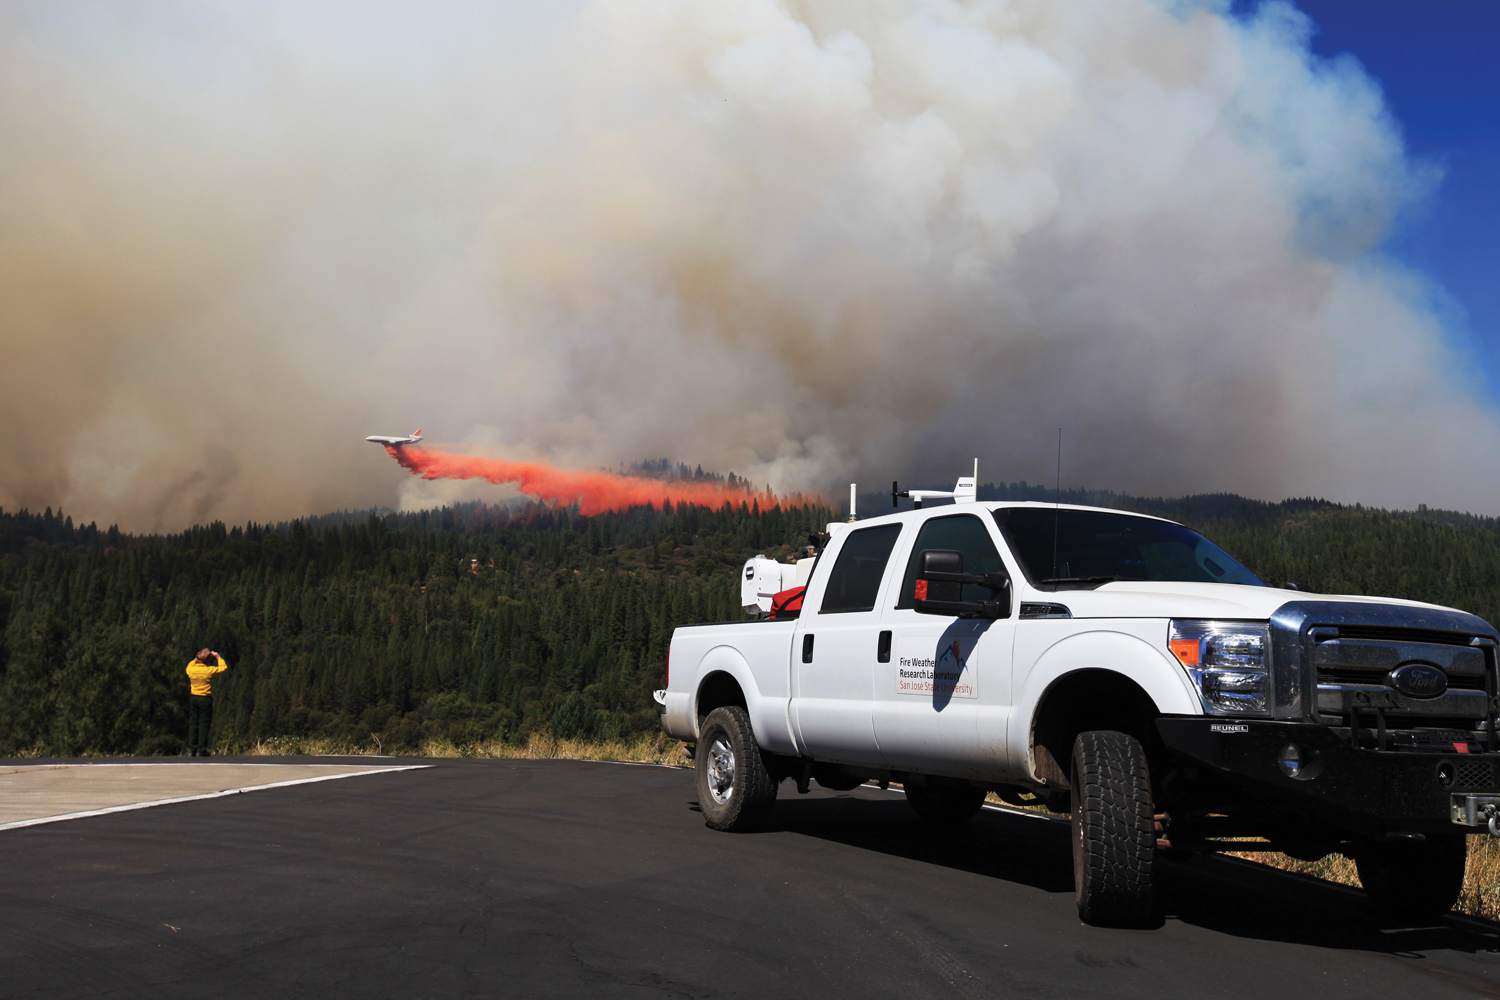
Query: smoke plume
[813, 243]
[594, 492]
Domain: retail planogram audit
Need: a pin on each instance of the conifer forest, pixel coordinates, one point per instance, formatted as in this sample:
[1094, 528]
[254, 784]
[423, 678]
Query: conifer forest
[482, 622]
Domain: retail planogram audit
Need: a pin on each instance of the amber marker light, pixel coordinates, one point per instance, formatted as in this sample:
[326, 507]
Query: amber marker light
[1186, 650]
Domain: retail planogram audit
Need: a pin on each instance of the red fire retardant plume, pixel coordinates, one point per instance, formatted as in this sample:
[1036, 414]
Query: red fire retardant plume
[595, 492]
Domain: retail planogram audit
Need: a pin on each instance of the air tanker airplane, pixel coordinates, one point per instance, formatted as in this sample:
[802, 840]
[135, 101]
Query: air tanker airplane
[395, 442]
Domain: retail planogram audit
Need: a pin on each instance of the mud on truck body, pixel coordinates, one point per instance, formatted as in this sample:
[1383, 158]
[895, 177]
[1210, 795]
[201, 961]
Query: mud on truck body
[1115, 666]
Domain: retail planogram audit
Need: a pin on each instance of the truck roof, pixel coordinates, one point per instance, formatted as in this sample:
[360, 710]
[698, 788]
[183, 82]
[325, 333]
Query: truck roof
[993, 505]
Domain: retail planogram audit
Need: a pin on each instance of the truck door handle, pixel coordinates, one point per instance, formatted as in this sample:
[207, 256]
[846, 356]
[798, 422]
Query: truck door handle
[807, 648]
[883, 647]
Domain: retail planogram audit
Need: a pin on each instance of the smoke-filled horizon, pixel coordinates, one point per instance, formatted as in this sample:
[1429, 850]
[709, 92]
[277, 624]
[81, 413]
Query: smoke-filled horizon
[810, 243]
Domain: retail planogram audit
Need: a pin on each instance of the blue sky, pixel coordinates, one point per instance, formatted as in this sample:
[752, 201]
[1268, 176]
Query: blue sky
[1438, 65]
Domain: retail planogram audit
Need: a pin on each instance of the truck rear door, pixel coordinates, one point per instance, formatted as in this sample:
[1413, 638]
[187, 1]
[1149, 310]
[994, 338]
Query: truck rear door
[834, 648]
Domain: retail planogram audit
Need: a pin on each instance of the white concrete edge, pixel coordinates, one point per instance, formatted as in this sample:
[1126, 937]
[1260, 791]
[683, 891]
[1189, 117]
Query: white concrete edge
[577, 760]
[627, 763]
[1008, 810]
[180, 763]
[18, 824]
[1013, 811]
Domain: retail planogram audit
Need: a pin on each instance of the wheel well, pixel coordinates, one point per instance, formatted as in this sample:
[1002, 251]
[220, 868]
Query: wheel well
[717, 690]
[1084, 700]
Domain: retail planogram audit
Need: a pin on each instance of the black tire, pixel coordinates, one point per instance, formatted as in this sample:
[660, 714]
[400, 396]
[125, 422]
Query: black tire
[1413, 883]
[944, 805]
[735, 789]
[1114, 836]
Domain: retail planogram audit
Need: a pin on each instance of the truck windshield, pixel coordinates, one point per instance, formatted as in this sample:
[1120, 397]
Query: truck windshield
[1090, 547]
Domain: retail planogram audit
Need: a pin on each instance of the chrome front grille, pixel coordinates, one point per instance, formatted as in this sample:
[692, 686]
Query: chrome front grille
[1345, 674]
[1332, 661]
[1405, 635]
[1353, 668]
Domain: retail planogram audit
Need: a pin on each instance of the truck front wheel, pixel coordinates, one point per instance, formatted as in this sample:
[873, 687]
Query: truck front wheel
[1413, 882]
[1114, 839]
[735, 790]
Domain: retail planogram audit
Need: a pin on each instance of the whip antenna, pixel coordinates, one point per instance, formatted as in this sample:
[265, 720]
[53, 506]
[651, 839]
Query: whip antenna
[1057, 502]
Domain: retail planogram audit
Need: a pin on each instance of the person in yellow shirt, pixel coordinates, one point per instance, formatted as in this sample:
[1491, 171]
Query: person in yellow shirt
[201, 671]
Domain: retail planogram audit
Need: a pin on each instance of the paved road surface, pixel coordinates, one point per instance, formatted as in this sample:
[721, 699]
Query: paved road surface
[568, 879]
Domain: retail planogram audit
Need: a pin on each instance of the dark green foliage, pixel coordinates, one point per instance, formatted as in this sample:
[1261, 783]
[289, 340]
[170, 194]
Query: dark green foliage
[463, 624]
[480, 622]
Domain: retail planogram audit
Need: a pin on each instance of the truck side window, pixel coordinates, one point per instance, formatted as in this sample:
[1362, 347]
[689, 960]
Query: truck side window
[855, 580]
[965, 533]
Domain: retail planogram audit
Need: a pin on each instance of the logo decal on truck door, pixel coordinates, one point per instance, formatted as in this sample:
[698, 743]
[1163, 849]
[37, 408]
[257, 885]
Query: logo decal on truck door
[941, 668]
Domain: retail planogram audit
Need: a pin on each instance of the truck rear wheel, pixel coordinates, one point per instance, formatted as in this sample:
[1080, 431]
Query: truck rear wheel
[945, 805]
[1114, 839]
[735, 790]
[1413, 882]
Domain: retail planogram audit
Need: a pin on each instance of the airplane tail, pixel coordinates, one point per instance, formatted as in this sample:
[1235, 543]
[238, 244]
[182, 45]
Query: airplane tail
[417, 433]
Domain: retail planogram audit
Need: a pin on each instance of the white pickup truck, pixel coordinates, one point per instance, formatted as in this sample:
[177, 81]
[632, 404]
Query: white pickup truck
[1118, 666]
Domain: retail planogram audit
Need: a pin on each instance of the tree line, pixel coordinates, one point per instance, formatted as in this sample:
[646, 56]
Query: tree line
[472, 622]
[482, 622]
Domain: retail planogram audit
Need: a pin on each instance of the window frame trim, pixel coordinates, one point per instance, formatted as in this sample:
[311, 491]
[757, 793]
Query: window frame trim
[1002, 528]
[992, 531]
[843, 542]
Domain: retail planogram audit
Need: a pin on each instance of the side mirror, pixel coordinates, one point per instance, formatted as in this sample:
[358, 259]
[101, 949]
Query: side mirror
[940, 582]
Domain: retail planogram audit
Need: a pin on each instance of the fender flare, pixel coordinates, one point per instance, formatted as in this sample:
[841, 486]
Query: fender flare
[1163, 680]
[725, 659]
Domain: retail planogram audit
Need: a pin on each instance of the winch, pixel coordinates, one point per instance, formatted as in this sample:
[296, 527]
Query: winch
[1478, 810]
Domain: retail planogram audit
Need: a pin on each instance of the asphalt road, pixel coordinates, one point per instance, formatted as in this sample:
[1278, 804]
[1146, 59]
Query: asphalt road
[565, 879]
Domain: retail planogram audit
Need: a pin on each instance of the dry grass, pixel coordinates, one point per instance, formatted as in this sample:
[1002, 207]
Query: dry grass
[649, 749]
[1031, 805]
[1480, 896]
[1333, 868]
[1481, 892]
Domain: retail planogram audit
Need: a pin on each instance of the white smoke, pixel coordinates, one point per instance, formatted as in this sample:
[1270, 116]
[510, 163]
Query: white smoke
[806, 242]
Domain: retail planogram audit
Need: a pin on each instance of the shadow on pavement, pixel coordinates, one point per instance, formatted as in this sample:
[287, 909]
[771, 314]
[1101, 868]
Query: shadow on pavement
[890, 827]
[1221, 894]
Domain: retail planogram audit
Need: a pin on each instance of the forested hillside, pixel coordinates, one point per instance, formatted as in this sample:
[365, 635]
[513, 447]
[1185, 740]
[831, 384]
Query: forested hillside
[461, 624]
[482, 622]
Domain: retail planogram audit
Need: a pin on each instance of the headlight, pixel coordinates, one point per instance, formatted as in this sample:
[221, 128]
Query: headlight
[1228, 663]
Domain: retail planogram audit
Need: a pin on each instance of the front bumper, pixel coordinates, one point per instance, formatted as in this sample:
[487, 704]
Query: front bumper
[1363, 791]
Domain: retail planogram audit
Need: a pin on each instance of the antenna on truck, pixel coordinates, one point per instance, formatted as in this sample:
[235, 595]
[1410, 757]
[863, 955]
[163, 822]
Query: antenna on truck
[852, 518]
[1057, 502]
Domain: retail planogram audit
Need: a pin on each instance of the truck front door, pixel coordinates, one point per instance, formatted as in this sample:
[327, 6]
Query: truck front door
[834, 648]
[942, 684]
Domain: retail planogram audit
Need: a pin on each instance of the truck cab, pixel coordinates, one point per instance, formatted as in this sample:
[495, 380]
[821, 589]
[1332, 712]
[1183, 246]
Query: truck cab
[1118, 667]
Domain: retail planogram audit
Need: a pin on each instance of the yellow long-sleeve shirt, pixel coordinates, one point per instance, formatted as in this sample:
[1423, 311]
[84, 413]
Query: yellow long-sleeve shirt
[201, 675]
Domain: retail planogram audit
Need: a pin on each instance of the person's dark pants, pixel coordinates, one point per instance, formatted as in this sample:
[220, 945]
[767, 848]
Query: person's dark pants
[200, 714]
